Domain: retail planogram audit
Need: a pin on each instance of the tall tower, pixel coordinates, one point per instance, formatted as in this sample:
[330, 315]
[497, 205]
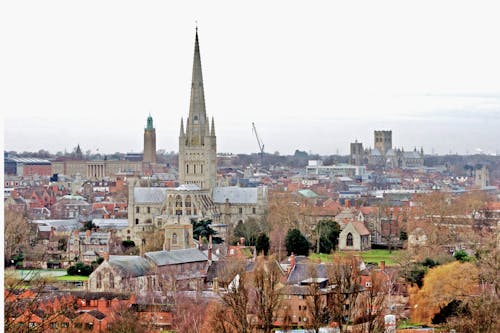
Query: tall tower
[356, 153]
[383, 141]
[149, 142]
[197, 144]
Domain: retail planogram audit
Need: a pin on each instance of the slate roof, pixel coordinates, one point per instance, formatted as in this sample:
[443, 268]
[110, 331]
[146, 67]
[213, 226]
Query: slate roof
[130, 265]
[60, 225]
[302, 271]
[110, 223]
[162, 258]
[235, 194]
[97, 314]
[149, 194]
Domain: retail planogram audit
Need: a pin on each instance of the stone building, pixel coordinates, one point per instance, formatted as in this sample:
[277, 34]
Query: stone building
[87, 246]
[149, 142]
[355, 236]
[197, 144]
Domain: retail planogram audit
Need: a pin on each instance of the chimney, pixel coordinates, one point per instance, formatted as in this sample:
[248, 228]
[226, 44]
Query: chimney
[382, 265]
[347, 203]
[242, 241]
[210, 241]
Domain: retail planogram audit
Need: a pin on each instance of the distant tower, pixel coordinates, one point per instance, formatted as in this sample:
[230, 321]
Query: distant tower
[356, 153]
[197, 144]
[383, 141]
[149, 142]
[78, 153]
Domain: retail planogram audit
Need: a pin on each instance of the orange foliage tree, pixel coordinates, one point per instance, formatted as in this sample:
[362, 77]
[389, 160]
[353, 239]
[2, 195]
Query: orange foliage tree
[442, 284]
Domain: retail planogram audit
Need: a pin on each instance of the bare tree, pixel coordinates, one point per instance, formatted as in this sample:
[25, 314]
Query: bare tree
[266, 278]
[343, 274]
[188, 314]
[372, 301]
[15, 233]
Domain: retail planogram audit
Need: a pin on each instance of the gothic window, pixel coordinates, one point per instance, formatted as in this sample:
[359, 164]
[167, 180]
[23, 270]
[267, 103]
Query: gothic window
[194, 169]
[253, 210]
[136, 221]
[201, 166]
[188, 204]
[98, 280]
[137, 209]
[111, 280]
[240, 210]
[149, 210]
[187, 168]
[174, 239]
[349, 241]
[178, 205]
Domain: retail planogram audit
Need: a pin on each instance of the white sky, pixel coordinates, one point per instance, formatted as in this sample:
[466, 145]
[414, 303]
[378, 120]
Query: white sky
[313, 76]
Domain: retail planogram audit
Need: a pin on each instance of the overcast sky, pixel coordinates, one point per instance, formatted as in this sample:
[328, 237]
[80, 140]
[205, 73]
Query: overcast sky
[313, 76]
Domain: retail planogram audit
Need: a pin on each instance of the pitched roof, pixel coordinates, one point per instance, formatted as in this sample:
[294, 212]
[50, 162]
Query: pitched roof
[131, 265]
[235, 194]
[303, 271]
[360, 228]
[162, 258]
[149, 194]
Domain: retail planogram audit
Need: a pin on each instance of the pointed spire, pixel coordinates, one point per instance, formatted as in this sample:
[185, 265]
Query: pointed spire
[207, 127]
[182, 128]
[213, 127]
[197, 104]
[149, 125]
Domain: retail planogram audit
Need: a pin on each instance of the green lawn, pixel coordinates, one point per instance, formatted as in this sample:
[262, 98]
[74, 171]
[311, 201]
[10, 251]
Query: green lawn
[371, 256]
[72, 278]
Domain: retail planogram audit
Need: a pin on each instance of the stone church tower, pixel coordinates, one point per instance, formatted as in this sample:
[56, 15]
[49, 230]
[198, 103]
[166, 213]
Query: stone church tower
[197, 144]
[149, 142]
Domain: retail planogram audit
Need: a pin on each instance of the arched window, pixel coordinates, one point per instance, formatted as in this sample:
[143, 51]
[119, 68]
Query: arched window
[98, 280]
[178, 205]
[349, 241]
[187, 203]
[187, 168]
[174, 239]
[111, 280]
[194, 169]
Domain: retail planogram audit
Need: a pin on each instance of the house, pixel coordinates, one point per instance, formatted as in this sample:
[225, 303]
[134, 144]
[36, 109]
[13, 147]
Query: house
[354, 237]
[88, 246]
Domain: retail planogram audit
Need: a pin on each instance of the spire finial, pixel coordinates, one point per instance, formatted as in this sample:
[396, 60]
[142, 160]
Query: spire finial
[196, 23]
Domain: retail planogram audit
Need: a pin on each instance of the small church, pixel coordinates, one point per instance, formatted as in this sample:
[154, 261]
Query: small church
[171, 210]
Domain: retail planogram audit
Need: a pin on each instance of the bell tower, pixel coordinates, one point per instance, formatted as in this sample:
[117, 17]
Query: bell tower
[197, 143]
[149, 142]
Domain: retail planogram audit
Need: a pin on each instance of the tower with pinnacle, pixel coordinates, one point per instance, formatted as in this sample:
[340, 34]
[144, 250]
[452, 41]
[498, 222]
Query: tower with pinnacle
[149, 142]
[197, 141]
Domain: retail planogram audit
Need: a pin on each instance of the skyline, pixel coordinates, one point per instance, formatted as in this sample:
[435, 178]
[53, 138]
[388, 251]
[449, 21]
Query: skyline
[315, 78]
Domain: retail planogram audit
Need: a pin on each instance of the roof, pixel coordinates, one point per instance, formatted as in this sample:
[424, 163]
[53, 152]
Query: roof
[235, 194]
[307, 193]
[302, 271]
[149, 194]
[360, 228]
[111, 223]
[60, 225]
[162, 258]
[131, 265]
[28, 160]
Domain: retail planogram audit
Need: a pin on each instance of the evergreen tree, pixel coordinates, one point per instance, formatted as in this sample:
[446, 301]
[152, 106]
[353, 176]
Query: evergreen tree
[296, 242]
[262, 244]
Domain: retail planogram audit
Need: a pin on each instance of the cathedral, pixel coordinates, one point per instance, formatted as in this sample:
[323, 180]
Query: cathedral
[170, 210]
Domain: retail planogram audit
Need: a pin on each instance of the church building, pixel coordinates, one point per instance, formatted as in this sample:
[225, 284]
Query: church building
[197, 197]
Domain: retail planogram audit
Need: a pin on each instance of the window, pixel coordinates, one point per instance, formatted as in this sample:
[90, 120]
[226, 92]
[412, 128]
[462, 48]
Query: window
[89, 326]
[64, 325]
[149, 210]
[137, 209]
[349, 240]
[240, 210]
[178, 205]
[174, 239]
[194, 169]
[136, 221]
[98, 280]
[111, 280]
[187, 203]
[53, 325]
[187, 168]
[253, 210]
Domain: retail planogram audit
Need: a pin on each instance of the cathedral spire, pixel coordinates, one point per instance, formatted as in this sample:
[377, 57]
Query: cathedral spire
[213, 127]
[197, 103]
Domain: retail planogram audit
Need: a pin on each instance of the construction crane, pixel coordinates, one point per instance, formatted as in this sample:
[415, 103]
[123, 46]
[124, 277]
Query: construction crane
[260, 143]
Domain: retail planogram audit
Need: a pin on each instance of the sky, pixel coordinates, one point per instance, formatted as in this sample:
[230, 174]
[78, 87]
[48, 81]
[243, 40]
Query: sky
[313, 76]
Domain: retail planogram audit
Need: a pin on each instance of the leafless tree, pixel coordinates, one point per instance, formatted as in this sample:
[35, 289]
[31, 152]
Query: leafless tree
[266, 278]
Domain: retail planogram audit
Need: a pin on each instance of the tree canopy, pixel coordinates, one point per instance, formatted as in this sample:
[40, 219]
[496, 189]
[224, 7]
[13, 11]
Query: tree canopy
[296, 242]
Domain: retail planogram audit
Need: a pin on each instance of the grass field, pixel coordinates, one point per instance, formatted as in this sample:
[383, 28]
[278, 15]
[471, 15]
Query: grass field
[371, 256]
[72, 278]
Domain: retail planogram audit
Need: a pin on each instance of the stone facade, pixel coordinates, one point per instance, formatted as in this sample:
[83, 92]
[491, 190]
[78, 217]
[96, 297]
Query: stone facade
[354, 237]
[149, 142]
